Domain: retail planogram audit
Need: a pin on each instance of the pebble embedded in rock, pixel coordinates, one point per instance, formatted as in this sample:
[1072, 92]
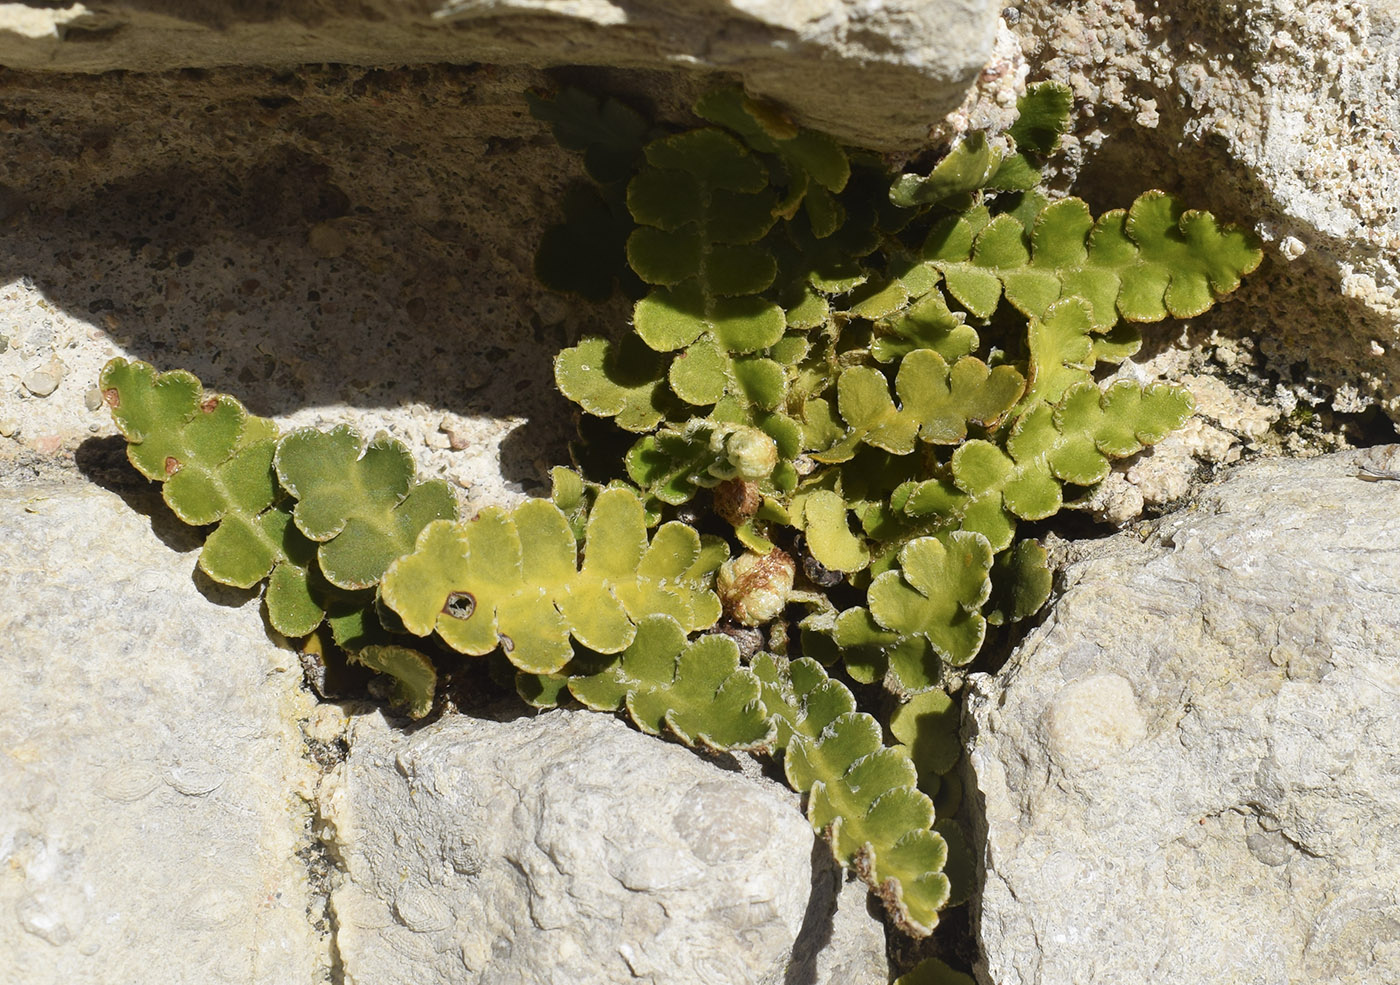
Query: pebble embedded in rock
[457, 437]
[42, 382]
[326, 241]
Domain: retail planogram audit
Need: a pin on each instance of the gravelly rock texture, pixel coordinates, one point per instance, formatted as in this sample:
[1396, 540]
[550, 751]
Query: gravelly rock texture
[569, 848]
[1281, 114]
[1191, 771]
[150, 760]
[330, 245]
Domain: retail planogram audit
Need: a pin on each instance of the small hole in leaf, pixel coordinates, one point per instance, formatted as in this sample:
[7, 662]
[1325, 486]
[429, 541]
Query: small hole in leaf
[460, 605]
[113, 397]
[172, 465]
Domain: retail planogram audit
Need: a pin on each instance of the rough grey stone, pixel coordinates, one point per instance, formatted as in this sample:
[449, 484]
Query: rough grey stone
[569, 849]
[151, 777]
[154, 820]
[877, 74]
[1191, 770]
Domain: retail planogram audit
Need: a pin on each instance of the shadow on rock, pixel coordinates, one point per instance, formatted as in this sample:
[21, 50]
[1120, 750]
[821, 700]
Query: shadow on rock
[103, 462]
[328, 238]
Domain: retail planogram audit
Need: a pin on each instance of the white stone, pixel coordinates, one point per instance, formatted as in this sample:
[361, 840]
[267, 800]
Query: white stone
[35, 23]
[148, 755]
[569, 848]
[1189, 769]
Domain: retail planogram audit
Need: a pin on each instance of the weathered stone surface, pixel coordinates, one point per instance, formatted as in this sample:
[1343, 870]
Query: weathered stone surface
[1282, 114]
[877, 74]
[1191, 771]
[569, 848]
[150, 761]
[185, 220]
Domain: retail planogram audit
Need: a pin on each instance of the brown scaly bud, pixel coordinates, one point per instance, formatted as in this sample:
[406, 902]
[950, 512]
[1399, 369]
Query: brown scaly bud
[737, 500]
[754, 588]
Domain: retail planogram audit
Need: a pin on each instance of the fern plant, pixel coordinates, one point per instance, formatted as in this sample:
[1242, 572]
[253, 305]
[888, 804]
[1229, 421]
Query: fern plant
[900, 413]
[869, 378]
[873, 379]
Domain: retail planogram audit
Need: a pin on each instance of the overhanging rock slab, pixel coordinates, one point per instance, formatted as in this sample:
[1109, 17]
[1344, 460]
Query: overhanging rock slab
[873, 74]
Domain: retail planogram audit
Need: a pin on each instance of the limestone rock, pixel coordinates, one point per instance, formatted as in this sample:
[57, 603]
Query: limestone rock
[569, 848]
[1281, 114]
[1189, 770]
[875, 74]
[154, 820]
[150, 760]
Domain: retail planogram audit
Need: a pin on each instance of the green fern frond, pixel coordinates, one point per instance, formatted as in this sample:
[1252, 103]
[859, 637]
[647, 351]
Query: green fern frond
[1153, 260]
[696, 690]
[215, 463]
[937, 403]
[1072, 442]
[625, 381]
[814, 164]
[358, 500]
[513, 580]
[861, 795]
